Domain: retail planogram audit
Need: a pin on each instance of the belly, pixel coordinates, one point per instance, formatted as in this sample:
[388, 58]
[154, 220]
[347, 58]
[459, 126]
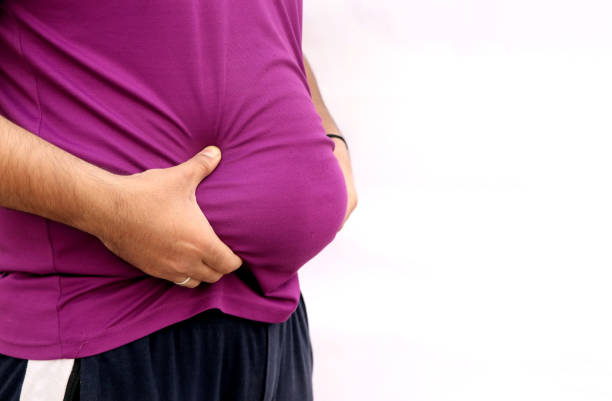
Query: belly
[277, 205]
[277, 197]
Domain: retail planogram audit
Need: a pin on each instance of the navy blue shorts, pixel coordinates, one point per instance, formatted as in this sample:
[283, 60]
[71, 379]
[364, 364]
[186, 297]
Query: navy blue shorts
[211, 356]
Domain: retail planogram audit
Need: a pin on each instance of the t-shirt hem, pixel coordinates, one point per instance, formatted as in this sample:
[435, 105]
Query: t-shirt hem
[146, 324]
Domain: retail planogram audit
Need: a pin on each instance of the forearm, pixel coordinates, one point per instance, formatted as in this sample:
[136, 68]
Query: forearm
[40, 178]
[341, 149]
[328, 122]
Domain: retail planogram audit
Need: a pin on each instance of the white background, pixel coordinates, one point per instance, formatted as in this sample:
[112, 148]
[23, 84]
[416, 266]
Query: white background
[477, 265]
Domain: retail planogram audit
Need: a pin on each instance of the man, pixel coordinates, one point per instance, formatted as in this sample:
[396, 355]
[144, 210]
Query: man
[135, 263]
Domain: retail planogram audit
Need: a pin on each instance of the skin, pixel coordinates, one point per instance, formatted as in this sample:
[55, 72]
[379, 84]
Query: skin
[341, 150]
[149, 219]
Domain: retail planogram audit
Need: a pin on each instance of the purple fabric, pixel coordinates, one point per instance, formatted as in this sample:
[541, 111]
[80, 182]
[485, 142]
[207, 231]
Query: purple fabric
[132, 85]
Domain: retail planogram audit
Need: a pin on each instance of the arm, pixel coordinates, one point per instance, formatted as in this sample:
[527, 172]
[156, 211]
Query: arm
[328, 122]
[40, 178]
[340, 151]
[43, 179]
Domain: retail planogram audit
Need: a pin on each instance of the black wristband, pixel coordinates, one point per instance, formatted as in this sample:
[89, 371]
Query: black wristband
[340, 137]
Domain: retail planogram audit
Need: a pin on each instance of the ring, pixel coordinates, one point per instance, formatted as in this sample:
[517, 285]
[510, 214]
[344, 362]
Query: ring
[184, 281]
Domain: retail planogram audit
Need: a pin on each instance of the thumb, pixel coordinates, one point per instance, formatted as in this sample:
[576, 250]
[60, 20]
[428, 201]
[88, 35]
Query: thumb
[204, 162]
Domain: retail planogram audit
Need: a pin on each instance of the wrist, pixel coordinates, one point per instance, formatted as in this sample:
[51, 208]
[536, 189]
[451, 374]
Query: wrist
[102, 200]
[339, 136]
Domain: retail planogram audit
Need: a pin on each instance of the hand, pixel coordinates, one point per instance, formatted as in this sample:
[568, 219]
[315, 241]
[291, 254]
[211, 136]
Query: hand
[341, 153]
[158, 227]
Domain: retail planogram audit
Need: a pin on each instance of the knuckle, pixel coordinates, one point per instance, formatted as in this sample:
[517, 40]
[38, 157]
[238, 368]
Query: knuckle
[176, 267]
[205, 161]
[225, 268]
[220, 260]
[228, 264]
[212, 256]
[213, 277]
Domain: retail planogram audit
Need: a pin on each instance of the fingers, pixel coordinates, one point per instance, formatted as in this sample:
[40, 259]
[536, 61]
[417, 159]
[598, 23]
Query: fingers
[224, 261]
[191, 283]
[202, 163]
[216, 260]
[201, 273]
[221, 258]
[207, 274]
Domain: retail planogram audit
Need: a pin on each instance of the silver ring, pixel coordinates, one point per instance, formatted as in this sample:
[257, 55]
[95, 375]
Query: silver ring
[184, 281]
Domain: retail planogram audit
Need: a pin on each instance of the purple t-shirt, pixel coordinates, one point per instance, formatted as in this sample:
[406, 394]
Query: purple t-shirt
[133, 85]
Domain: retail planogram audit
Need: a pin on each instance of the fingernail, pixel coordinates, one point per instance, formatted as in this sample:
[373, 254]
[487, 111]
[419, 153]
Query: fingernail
[211, 152]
